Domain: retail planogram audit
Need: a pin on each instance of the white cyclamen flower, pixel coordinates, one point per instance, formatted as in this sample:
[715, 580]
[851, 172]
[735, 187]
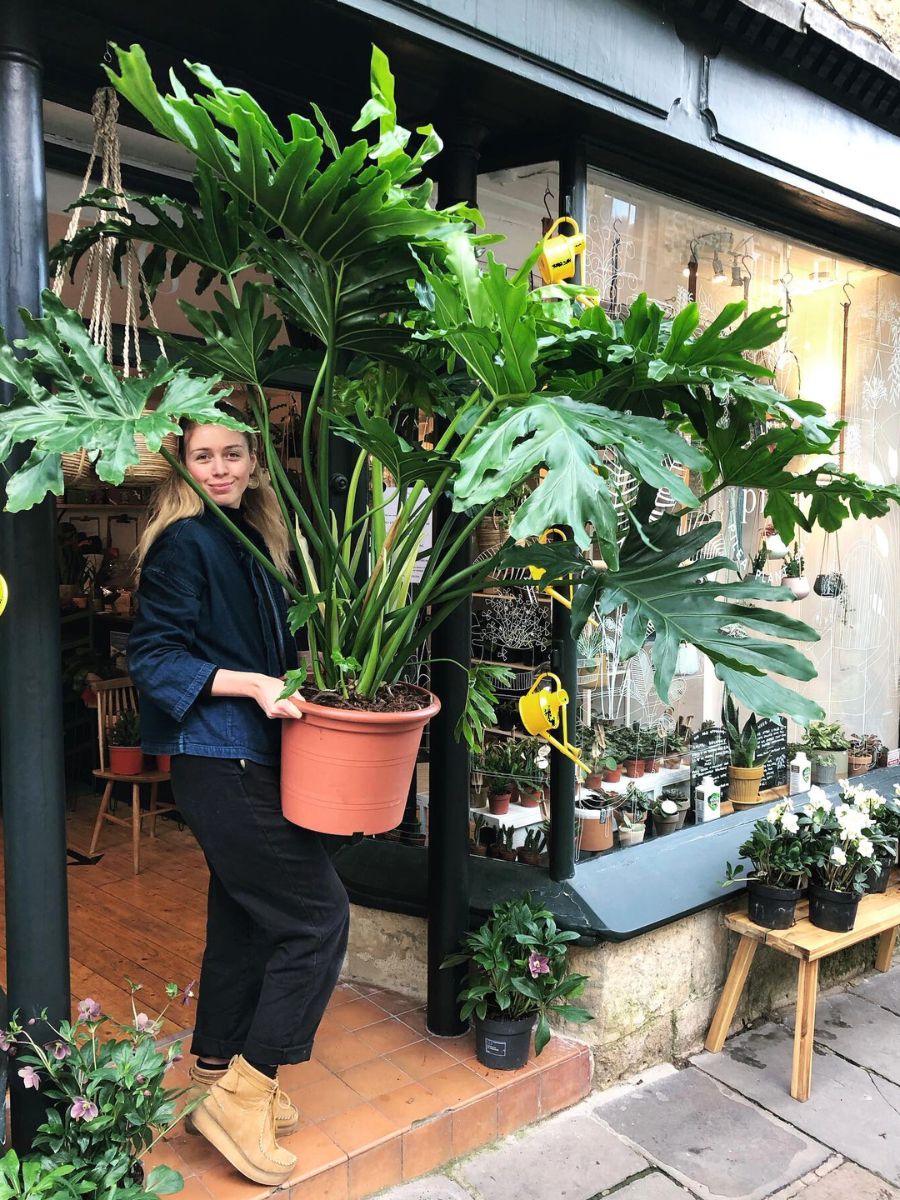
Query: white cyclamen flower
[790, 822]
[865, 848]
[838, 856]
[851, 820]
[817, 796]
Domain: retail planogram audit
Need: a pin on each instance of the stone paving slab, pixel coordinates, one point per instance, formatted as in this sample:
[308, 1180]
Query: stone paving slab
[431, 1187]
[853, 1112]
[710, 1139]
[880, 989]
[657, 1187]
[570, 1157]
[849, 1182]
[859, 1030]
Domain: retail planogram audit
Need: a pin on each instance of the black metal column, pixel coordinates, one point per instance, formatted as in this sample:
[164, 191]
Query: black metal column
[31, 729]
[448, 805]
[572, 203]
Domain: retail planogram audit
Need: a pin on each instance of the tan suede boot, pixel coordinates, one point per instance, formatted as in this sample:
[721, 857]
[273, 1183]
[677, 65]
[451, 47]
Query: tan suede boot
[237, 1116]
[286, 1116]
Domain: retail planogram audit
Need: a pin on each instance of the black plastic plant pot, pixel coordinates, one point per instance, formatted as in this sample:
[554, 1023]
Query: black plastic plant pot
[835, 911]
[879, 874]
[771, 907]
[503, 1045]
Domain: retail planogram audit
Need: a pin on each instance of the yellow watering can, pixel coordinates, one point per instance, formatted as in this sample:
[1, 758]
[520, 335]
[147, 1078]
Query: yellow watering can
[543, 709]
[557, 261]
[4, 594]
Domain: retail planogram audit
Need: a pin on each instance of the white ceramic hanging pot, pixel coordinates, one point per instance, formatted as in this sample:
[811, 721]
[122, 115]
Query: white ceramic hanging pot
[688, 660]
[798, 586]
[775, 546]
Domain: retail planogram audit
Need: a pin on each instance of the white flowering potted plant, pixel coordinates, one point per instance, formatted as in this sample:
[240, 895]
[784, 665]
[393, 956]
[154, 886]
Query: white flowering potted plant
[518, 978]
[885, 824]
[108, 1104]
[840, 843]
[779, 867]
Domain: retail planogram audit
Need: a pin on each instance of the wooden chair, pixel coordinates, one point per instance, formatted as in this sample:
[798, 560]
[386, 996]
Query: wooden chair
[115, 696]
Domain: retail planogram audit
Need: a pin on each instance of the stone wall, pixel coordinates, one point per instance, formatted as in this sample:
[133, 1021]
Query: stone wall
[652, 998]
[876, 17]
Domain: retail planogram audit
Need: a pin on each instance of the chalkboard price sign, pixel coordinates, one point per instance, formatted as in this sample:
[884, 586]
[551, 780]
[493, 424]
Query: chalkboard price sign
[711, 755]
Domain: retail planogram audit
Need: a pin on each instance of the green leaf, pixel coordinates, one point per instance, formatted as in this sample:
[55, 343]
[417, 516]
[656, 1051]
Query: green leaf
[376, 435]
[541, 1033]
[164, 1181]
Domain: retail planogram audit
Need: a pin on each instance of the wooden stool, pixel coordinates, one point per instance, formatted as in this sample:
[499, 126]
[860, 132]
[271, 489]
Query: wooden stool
[878, 916]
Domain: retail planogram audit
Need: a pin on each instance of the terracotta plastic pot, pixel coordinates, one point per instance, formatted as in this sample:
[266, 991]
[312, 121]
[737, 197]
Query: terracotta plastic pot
[594, 782]
[499, 804]
[743, 785]
[126, 760]
[596, 834]
[164, 762]
[503, 852]
[633, 767]
[478, 849]
[530, 797]
[345, 771]
[611, 775]
[531, 858]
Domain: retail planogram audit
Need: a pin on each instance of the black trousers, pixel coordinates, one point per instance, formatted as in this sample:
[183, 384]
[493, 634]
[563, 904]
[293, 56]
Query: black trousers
[277, 919]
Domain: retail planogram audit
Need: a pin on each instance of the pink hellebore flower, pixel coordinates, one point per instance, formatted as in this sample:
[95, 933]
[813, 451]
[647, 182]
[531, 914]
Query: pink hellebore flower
[61, 1051]
[538, 964]
[89, 1010]
[6, 1041]
[30, 1078]
[144, 1023]
[83, 1109]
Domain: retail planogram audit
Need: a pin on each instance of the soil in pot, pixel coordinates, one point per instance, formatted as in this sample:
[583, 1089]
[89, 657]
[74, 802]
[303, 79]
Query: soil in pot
[879, 874]
[743, 785]
[347, 769]
[835, 911]
[503, 1045]
[771, 907]
[126, 760]
[499, 803]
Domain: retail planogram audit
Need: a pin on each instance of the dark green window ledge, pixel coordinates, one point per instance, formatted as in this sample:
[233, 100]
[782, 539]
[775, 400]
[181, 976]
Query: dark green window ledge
[614, 897]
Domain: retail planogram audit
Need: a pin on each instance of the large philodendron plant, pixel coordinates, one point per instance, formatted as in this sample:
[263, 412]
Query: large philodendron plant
[334, 257]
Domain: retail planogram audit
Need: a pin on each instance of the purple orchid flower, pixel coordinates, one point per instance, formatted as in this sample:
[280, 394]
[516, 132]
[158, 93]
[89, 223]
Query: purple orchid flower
[538, 964]
[83, 1109]
[30, 1078]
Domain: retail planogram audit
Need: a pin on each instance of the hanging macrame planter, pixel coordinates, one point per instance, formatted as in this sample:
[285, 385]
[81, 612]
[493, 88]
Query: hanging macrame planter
[95, 301]
[829, 583]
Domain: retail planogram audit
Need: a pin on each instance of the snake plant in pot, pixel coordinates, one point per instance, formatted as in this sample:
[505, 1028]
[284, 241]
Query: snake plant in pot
[332, 259]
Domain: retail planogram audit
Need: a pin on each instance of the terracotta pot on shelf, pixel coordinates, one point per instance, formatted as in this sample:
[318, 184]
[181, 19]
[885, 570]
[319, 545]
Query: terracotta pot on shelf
[164, 762]
[477, 849]
[496, 851]
[595, 832]
[531, 858]
[858, 764]
[743, 786]
[611, 774]
[499, 803]
[529, 797]
[126, 760]
[348, 771]
[633, 767]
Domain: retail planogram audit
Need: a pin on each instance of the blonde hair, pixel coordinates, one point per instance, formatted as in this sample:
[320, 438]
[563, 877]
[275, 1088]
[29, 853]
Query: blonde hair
[174, 499]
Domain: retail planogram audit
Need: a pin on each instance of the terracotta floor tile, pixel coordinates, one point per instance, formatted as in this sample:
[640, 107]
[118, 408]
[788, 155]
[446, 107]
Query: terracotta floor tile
[340, 1051]
[387, 1035]
[408, 1104]
[474, 1125]
[459, 1048]
[377, 1168]
[557, 1050]
[518, 1104]
[457, 1084]
[565, 1083]
[421, 1059]
[223, 1182]
[324, 1099]
[301, 1075]
[343, 994]
[315, 1151]
[332, 1184]
[199, 1155]
[376, 1077]
[194, 1190]
[501, 1079]
[426, 1146]
[164, 1154]
[367, 989]
[358, 1013]
[415, 1019]
[358, 1128]
[329, 1022]
[394, 1002]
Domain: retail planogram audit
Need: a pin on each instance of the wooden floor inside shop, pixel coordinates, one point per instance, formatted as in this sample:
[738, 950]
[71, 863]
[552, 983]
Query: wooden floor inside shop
[380, 1102]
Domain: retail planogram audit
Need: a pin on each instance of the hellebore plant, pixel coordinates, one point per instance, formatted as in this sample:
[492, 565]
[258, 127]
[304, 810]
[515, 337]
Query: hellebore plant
[330, 259]
[775, 849]
[108, 1103]
[517, 968]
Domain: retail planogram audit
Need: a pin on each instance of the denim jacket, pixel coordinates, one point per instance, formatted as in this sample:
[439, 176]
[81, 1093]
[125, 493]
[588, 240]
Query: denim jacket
[204, 602]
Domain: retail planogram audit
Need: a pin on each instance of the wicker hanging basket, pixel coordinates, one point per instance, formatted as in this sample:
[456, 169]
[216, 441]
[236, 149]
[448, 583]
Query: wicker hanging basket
[95, 302]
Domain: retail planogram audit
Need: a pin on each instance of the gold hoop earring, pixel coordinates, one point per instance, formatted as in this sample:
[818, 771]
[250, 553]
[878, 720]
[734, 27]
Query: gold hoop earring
[253, 481]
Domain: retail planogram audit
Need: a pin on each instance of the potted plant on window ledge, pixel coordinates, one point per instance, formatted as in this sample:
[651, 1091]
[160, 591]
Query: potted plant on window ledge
[339, 249]
[827, 738]
[746, 770]
[518, 975]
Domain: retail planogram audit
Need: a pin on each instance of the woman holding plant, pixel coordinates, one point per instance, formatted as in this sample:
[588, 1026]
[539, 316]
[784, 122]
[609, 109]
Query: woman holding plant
[208, 649]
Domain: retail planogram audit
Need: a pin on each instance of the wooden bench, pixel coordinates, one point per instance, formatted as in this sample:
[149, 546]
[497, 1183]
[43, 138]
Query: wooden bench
[878, 916]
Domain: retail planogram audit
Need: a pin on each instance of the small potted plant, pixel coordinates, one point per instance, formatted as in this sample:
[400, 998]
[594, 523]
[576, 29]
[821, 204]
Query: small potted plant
[124, 738]
[776, 853]
[651, 750]
[503, 846]
[666, 817]
[532, 763]
[630, 747]
[859, 758]
[108, 1105]
[828, 737]
[840, 847]
[476, 846]
[530, 852]
[518, 976]
[885, 831]
[674, 747]
[631, 813]
[793, 574]
[824, 768]
[497, 770]
[681, 801]
[746, 770]
[595, 823]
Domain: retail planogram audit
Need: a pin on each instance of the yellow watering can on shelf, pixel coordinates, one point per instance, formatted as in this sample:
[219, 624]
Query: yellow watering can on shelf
[4, 594]
[542, 710]
[557, 260]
